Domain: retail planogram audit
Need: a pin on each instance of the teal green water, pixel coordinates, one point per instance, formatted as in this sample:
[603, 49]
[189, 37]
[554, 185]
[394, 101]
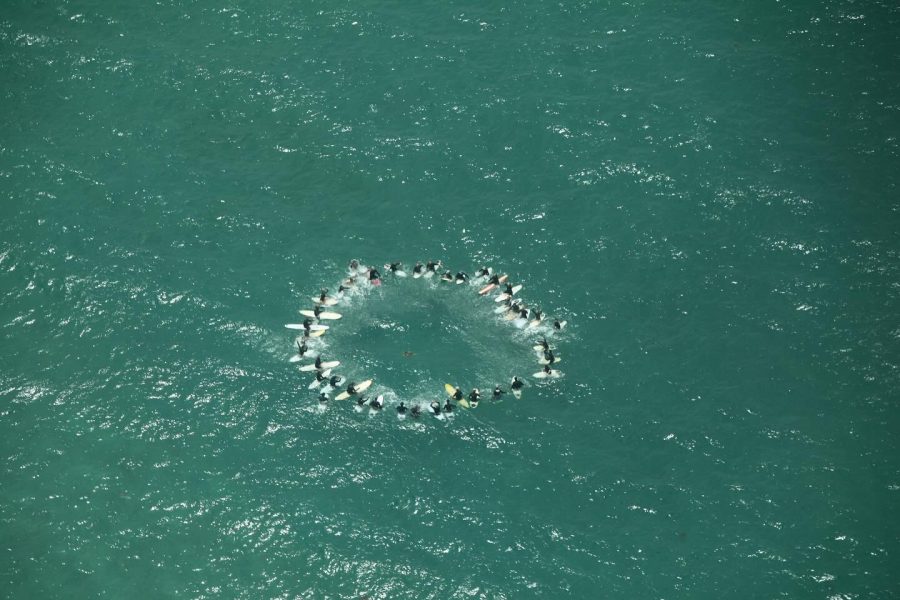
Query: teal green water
[707, 192]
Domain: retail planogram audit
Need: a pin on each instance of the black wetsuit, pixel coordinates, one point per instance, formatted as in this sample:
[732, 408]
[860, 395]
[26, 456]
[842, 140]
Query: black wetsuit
[457, 395]
[483, 272]
[509, 289]
[375, 404]
[374, 274]
[431, 266]
[415, 411]
[351, 389]
[361, 401]
[557, 324]
[494, 279]
[517, 384]
[461, 276]
[323, 397]
[417, 268]
[549, 357]
[498, 392]
[474, 396]
[335, 380]
[448, 407]
[301, 348]
[318, 364]
[401, 409]
[436, 407]
[394, 267]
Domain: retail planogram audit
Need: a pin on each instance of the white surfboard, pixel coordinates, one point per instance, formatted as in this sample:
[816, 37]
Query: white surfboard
[312, 327]
[360, 387]
[544, 361]
[327, 302]
[504, 295]
[561, 325]
[501, 309]
[400, 273]
[534, 322]
[539, 347]
[542, 375]
[325, 365]
[316, 383]
[318, 333]
[416, 275]
[322, 315]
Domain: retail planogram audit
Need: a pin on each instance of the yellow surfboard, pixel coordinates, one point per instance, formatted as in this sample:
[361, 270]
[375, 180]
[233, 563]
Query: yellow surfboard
[451, 390]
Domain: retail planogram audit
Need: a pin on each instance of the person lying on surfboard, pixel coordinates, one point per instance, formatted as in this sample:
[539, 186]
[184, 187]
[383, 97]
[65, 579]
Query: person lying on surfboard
[543, 343]
[461, 277]
[417, 270]
[318, 363]
[447, 276]
[361, 401]
[498, 391]
[448, 407]
[351, 388]
[457, 395]
[432, 266]
[557, 325]
[301, 348]
[549, 357]
[517, 384]
[335, 381]
[495, 279]
[394, 267]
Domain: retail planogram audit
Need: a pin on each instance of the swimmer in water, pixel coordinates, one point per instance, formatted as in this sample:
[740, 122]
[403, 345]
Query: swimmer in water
[436, 407]
[498, 391]
[448, 407]
[461, 277]
[415, 411]
[401, 410]
[323, 397]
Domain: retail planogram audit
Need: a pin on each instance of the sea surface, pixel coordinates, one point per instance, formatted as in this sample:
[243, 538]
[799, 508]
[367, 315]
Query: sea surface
[707, 192]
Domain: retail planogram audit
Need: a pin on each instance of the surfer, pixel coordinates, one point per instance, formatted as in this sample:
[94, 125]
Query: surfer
[361, 401]
[301, 348]
[394, 267]
[448, 407]
[351, 388]
[435, 407]
[549, 357]
[474, 396]
[557, 324]
[495, 279]
[320, 378]
[517, 384]
[323, 397]
[377, 403]
[374, 276]
[415, 411]
[401, 410]
[509, 289]
[484, 272]
[543, 344]
[334, 381]
[498, 391]
[457, 395]
[432, 266]
[538, 315]
[354, 266]
[323, 294]
[318, 363]
[447, 276]
[417, 270]
[461, 277]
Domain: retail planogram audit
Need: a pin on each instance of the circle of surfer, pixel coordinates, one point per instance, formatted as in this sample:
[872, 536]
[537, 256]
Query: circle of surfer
[508, 306]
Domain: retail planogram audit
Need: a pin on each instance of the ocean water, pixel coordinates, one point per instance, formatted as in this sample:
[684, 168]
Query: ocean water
[705, 191]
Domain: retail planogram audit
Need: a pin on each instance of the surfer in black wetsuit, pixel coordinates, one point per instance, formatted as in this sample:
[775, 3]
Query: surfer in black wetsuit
[448, 407]
[517, 384]
[509, 289]
[495, 279]
[543, 343]
[320, 378]
[323, 293]
[557, 325]
[457, 395]
[323, 397]
[447, 276]
[498, 391]
[436, 407]
[548, 370]
[461, 277]
[301, 348]
[377, 403]
[401, 410]
[523, 313]
[318, 363]
[351, 388]
[374, 275]
[354, 265]
[334, 381]
[418, 268]
[484, 272]
[474, 396]
[415, 411]
[549, 357]
[394, 267]
[432, 266]
[538, 315]
[361, 401]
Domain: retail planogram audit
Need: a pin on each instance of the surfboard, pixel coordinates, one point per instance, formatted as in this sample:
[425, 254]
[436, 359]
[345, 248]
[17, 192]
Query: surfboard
[561, 325]
[501, 309]
[316, 383]
[327, 302]
[400, 273]
[542, 375]
[539, 347]
[517, 394]
[534, 322]
[360, 387]
[318, 333]
[378, 400]
[325, 365]
[416, 275]
[313, 326]
[449, 389]
[322, 315]
[544, 361]
[504, 295]
[491, 286]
